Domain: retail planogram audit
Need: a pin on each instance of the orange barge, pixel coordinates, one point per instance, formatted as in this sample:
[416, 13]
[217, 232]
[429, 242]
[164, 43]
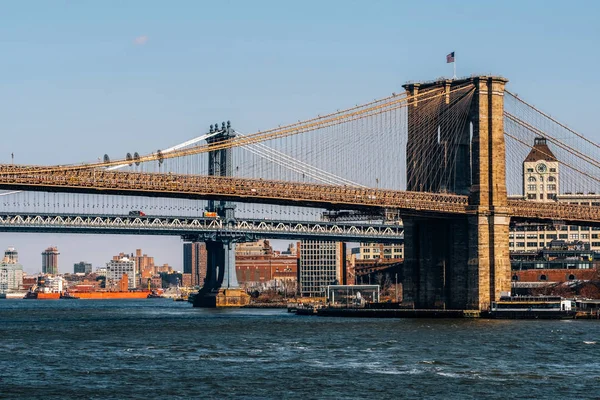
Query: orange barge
[96, 295]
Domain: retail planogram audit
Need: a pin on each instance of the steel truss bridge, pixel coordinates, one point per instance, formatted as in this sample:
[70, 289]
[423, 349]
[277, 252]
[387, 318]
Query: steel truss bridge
[281, 193]
[200, 227]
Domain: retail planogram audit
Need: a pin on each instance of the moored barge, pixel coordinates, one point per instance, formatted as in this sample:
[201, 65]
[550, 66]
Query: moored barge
[532, 307]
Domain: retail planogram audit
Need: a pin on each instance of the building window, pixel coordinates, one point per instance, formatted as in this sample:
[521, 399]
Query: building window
[552, 169]
[552, 187]
[543, 278]
[531, 178]
[520, 244]
[595, 244]
[574, 236]
[530, 170]
[551, 179]
[585, 235]
[531, 196]
[541, 187]
[563, 236]
[531, 188]
[532, 244]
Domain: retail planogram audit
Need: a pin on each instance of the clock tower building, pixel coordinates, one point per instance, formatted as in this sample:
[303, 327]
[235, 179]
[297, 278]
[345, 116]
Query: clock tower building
[540, 173]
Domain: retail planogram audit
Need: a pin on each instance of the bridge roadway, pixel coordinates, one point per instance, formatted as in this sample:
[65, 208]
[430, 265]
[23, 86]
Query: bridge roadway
[188, 227]
[35, 178]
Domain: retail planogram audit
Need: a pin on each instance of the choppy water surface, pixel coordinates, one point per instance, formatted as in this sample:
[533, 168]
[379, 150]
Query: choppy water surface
[163, 349]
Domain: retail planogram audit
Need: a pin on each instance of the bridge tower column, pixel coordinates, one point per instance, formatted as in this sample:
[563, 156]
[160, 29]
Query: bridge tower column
[458, 262]
[221, 288]
[489, 262]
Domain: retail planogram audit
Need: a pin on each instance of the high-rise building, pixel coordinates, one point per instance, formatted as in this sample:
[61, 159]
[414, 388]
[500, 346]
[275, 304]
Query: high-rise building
[321, 264]
[194, 262]
[50, 261]
[11, 256]
[82, 268]
[116, 269]
[11, 272]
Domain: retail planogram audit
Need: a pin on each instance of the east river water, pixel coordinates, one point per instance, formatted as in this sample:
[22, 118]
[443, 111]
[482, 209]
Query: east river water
[160, 349]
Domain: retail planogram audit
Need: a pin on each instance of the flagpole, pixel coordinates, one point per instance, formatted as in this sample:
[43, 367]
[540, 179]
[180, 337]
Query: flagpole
[454, 66]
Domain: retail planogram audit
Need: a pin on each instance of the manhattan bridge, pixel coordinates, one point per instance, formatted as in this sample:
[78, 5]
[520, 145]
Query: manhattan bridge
[438, 166]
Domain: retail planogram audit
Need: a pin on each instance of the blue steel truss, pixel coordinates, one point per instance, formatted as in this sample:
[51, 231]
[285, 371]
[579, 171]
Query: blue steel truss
[190, 227]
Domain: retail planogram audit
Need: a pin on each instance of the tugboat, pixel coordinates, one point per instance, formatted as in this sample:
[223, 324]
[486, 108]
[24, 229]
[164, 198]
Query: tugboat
[154, 295]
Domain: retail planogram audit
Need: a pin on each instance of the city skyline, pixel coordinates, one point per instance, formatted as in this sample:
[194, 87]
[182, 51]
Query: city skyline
[84, 79]
[97, 254]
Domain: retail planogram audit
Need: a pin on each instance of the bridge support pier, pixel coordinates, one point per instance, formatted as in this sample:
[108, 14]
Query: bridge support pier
[460, 263]
[435, 263]
[221, 288]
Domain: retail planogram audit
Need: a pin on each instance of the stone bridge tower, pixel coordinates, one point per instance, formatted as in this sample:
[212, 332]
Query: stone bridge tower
[458, 262]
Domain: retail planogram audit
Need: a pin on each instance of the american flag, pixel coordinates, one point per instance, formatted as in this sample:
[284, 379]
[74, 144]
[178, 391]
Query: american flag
[450, 58]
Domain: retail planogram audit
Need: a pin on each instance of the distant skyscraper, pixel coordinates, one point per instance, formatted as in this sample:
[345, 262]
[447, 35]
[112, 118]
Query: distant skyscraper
[82, 268]
[11, 272]
[11, 256]
[194, 262]
[50, 261]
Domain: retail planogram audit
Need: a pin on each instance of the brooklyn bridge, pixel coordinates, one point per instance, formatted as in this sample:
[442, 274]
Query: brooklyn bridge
[439, 165]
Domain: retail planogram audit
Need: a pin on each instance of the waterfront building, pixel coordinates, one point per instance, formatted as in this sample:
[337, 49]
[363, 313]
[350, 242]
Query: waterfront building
[194, 262]
[82, 268]
[11, 272]
[116, 269]
[258, 266]
[258, 248]
[52, 284]
[11, 276]
[541, 183]
[371, 251]
[50, 261]
[322, 263]
[101, 271]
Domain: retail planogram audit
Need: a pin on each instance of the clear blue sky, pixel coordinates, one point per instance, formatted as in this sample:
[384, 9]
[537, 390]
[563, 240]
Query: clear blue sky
[83, 78]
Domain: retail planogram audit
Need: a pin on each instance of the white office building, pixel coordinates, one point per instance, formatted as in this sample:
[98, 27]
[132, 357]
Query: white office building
[115, 269]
